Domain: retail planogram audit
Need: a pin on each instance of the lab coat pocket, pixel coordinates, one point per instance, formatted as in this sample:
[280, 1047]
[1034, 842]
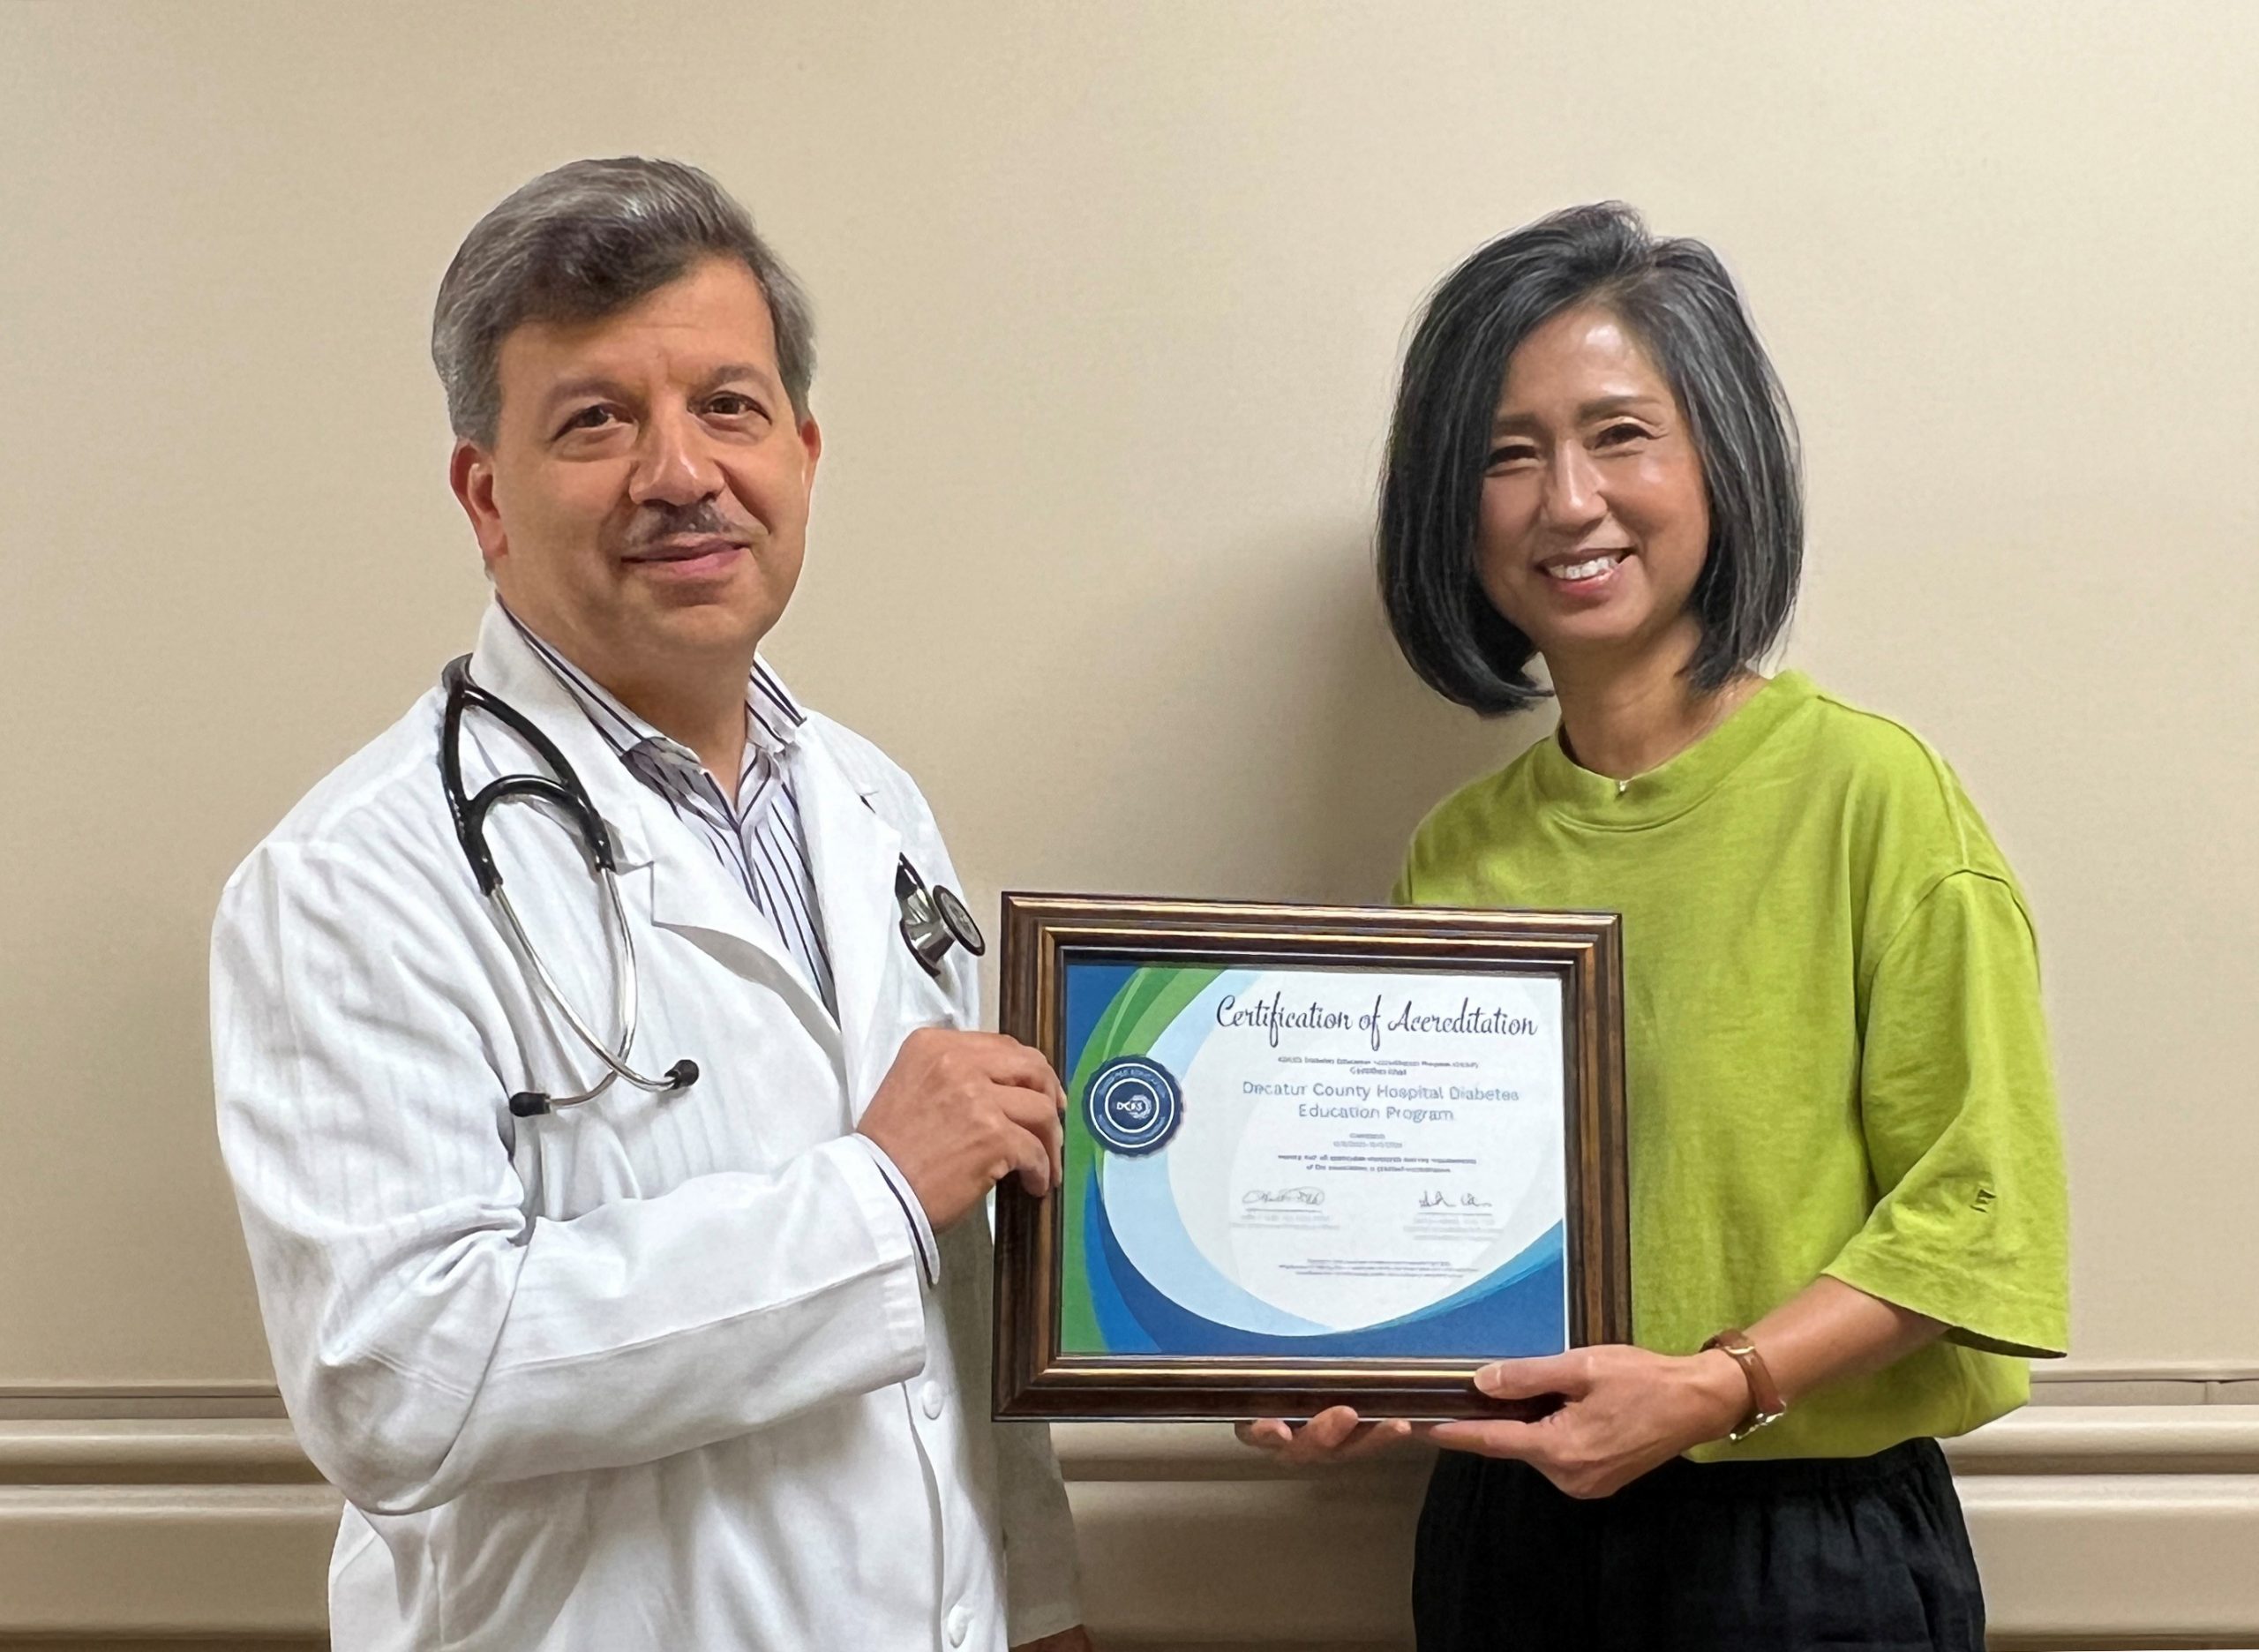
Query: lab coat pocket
[513, 1556]
[580, 1159]
[908, 1000]
[917, 1000]
[924, 1000]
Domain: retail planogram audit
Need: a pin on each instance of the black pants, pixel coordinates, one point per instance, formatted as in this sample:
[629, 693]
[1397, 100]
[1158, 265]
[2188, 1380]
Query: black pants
[1762, 1557]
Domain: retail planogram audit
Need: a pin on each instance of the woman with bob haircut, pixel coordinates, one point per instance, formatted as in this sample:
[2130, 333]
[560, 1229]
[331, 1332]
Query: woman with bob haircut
[1848, 1228]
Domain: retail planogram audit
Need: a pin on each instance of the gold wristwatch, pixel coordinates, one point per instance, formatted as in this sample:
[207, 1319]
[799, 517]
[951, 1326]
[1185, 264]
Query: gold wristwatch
[1766, 1405]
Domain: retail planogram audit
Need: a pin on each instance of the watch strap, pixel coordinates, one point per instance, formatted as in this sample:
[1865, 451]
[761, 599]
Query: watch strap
[1766, 1405]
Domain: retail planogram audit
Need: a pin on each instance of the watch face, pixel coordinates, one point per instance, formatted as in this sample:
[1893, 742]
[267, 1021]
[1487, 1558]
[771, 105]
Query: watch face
[960, 921]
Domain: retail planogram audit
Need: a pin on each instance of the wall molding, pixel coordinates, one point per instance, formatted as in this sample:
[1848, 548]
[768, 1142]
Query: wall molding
[2058, 1383]
[2097, 1525]
[232, 1389]
[2073, 1371]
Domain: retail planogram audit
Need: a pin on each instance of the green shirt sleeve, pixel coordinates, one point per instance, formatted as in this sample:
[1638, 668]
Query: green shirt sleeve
[1957, 1103]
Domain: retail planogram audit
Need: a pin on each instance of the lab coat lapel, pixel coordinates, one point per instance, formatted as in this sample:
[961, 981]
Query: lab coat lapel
[689, 887]
[507, 667]
[854, 854]
[693, 891]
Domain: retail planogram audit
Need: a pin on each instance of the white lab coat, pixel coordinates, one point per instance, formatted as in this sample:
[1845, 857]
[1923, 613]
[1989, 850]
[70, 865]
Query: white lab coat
[652, 1372]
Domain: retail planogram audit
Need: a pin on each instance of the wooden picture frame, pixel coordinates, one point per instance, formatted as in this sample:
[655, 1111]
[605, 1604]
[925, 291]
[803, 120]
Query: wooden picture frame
[1082, 1332]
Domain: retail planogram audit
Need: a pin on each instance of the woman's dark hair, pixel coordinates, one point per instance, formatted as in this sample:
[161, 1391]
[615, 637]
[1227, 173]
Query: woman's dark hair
[1679, 302]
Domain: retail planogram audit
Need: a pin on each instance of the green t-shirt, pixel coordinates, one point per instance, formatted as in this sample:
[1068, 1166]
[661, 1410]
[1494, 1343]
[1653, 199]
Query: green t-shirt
[1836, 1058]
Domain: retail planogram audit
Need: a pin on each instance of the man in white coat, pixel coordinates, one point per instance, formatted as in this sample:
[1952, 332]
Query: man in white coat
[694, 1367]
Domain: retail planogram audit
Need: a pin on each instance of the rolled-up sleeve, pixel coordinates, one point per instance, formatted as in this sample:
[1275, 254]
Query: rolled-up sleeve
[1971, 1224]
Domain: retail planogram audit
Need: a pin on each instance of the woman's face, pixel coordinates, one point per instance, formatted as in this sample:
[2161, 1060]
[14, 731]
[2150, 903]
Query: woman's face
[1595, 520]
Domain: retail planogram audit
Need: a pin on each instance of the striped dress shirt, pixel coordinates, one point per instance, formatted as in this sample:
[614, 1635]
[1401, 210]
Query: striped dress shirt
[757, 837]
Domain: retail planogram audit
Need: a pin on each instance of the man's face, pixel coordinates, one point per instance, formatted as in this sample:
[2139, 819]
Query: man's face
[644, 508]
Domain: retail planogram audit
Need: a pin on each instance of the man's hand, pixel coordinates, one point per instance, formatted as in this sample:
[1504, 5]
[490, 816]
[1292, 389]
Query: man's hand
[1624, 1411]
[1334, 1435]
[1075, 1640]
[958, 1112]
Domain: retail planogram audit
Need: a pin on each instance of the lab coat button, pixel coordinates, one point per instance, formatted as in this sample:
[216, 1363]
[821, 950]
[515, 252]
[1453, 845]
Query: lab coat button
[960, 1621]
[929, 1401]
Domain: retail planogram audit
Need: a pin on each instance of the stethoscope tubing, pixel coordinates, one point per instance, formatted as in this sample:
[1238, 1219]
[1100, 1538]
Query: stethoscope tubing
[932, 919]
[565, 794]
[626, 999]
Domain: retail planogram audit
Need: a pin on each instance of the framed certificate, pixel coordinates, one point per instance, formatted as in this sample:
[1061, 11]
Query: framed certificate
[1314, 1155]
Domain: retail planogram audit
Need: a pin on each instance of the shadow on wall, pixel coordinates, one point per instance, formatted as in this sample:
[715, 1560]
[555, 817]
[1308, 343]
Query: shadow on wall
[1256, 737]
[1381, 748]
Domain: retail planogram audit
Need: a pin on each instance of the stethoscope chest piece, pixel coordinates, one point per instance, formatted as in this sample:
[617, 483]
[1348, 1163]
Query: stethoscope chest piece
[934, 919]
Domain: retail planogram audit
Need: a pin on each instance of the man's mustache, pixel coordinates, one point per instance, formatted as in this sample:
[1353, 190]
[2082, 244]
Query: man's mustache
[656, 523]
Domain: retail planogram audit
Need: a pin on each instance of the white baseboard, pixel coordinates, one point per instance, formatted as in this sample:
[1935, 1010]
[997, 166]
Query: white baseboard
[2096, 1526]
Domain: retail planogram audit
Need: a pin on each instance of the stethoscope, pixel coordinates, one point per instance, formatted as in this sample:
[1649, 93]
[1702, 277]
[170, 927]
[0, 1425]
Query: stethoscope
[934, 919]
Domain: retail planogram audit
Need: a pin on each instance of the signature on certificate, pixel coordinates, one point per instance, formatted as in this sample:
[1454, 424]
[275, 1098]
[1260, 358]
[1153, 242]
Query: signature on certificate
[1283, 1196]
[1437, 1200]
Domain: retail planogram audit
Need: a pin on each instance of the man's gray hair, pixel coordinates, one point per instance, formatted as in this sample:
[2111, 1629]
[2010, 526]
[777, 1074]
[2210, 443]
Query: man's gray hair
[582, 242]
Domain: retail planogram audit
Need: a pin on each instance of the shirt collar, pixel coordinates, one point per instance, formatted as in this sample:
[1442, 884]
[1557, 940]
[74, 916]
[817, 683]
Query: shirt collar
[773, 717]
[1668, 791]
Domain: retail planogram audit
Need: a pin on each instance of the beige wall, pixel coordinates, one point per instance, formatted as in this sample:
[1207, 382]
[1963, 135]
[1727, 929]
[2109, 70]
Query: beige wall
[1110, 297]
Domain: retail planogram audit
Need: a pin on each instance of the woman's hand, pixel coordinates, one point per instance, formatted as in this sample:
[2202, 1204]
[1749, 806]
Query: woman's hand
[1334, 1435]
[1624, 1411]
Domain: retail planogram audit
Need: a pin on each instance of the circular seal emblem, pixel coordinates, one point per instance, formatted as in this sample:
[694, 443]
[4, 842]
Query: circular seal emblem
[1133, 1104]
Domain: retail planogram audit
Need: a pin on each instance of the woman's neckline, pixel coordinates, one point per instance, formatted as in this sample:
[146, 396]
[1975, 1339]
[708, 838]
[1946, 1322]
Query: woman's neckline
[1680, 781]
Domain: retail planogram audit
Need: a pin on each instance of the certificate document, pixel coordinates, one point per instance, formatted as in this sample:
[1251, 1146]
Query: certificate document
[1311, 1163]
[1314, 1155]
